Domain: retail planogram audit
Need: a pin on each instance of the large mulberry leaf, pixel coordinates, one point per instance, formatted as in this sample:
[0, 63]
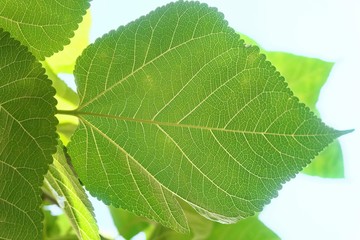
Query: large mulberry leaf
[174, 105]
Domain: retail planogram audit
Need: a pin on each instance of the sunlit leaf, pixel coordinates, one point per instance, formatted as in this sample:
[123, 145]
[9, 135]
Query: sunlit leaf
[175, 105]
[43, 26]
[200, 227]
[250, 228]
[57, 227]
[128, 224]
[27, 139]
[71, 196]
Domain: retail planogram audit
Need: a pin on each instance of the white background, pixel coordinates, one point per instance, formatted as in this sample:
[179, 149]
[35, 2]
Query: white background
[307, 207]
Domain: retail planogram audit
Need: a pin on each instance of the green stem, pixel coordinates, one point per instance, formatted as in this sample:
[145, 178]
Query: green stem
[67, 112]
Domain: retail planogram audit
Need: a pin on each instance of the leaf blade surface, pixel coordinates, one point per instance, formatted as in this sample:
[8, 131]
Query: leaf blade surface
[176, 103]
[27, 139]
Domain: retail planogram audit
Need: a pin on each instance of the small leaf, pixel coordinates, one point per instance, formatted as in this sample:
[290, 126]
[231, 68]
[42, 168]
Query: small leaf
[200, 227]
[43, 26]
[27, 139]
[57, 227]
[250, 228]
[71, 197]
[174, 105]
[127, 223]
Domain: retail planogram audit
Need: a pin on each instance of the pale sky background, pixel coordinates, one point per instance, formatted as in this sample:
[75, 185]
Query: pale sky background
[307, 207]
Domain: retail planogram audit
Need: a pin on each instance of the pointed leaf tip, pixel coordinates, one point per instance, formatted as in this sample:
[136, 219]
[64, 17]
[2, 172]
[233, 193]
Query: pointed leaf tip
[344, 132]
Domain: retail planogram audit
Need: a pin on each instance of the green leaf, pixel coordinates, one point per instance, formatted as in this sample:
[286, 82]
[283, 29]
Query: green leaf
[200, 227]
[127, 223]
[43, 26]
[250, 228]
[174, 105]
[57, 227]
[27, 139]
[71, 196]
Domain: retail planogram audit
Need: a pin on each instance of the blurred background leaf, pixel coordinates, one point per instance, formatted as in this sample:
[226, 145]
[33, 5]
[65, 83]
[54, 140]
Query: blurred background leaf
[57, 227]
[129, 225]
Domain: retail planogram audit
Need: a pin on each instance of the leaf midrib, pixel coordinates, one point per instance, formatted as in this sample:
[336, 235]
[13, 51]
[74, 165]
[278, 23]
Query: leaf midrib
[181, 125]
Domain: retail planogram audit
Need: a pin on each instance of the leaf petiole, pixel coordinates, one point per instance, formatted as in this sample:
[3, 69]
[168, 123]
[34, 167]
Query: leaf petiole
[67, 112]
